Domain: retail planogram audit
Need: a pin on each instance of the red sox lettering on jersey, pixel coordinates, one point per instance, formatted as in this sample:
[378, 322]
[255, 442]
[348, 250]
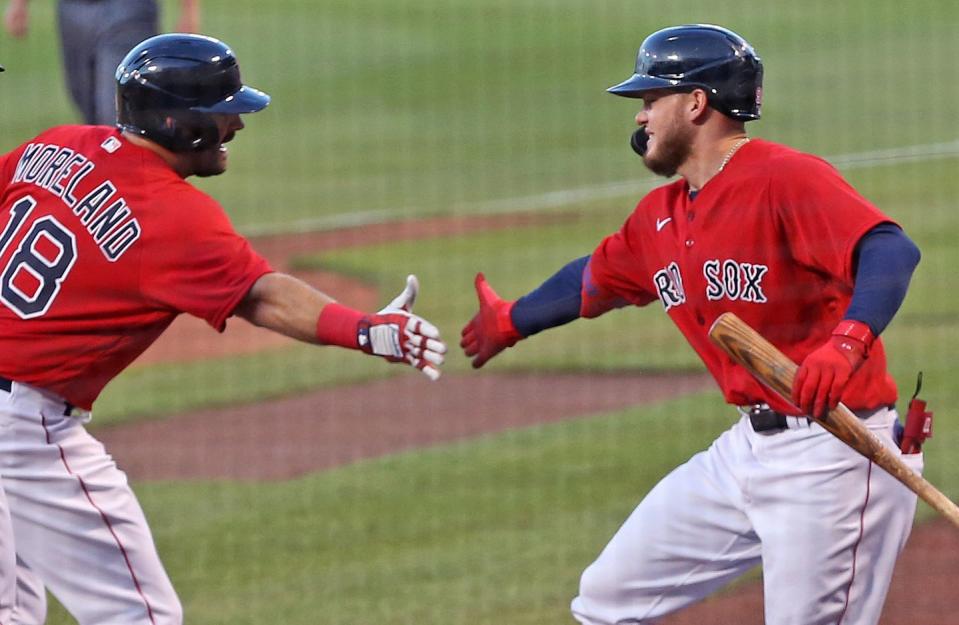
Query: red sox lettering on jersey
[669, 286]
[727, 279]
[735, 280]
[758, 240]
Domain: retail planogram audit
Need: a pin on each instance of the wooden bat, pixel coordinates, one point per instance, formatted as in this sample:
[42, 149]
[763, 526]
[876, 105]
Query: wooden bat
[777, 371]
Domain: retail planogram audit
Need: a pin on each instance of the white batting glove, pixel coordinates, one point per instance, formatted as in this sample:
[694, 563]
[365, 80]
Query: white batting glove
[398, 335]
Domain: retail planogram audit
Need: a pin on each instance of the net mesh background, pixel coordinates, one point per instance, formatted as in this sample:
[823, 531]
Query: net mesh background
[289, 483]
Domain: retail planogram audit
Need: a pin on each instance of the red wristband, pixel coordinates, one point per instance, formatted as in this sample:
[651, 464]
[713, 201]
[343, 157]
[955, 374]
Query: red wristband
[505, 325]
[337, 325]
[855, 330]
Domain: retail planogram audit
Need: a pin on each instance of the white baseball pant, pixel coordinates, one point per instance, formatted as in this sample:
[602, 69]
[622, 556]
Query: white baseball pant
[826, 524]
[77, 527]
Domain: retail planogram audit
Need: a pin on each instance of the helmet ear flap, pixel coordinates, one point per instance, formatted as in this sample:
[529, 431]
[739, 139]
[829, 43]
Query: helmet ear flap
[176, 130]
[192, 131]
[746, 94]
[744, 85]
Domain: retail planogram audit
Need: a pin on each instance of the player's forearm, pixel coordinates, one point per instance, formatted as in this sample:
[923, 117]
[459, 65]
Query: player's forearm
[562, 298]
[565, 296]
[555, 302]
[886, 260]
[284, 304]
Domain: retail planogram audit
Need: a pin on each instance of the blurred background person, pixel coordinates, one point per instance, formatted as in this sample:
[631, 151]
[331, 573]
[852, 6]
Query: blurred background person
[94, 36]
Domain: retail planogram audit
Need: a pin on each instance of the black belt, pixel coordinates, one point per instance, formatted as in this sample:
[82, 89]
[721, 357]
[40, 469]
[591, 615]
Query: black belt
[765, 419]
[6, 385]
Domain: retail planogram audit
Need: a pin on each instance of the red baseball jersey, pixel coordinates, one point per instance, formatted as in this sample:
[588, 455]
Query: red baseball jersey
[102, 245]
[770, 238]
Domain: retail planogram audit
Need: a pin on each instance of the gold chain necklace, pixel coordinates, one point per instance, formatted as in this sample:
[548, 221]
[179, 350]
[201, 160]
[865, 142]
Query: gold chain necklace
[732, 151]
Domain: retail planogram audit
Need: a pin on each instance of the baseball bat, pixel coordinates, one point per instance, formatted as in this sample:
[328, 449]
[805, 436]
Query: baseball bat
[774, 369]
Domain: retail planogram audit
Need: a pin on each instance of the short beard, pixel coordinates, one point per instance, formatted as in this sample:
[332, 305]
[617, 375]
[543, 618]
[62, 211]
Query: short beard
[671, 152]
[207, 163]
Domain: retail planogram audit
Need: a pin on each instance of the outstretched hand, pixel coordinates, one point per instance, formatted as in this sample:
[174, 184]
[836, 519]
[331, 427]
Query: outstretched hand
[491, 330]
[398, 335]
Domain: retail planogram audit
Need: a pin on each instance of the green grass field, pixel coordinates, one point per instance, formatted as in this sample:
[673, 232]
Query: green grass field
[392, 110]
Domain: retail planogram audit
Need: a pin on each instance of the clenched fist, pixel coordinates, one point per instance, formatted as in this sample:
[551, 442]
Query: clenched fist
[824, 374]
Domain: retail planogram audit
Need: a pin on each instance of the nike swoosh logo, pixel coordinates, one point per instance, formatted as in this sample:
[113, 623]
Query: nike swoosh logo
[661, 223]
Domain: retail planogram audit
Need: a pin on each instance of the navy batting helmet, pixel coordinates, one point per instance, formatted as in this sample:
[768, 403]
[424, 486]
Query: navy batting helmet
[703, 56]
[168, 85]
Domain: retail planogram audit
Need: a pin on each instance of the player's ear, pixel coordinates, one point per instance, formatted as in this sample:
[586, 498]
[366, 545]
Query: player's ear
[696, 104]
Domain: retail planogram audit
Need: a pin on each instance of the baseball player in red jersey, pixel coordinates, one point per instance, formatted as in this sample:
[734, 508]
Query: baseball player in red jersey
[102, 244]
[779, 238]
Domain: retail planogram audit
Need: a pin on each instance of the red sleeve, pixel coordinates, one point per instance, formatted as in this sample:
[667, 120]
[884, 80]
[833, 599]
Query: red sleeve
[202, 266]
[616, 272]
[823, 216]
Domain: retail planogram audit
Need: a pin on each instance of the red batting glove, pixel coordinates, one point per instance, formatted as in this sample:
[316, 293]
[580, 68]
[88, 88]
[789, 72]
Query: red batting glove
[402, 337]
[491, 330]
[824, 373]
[396, 334]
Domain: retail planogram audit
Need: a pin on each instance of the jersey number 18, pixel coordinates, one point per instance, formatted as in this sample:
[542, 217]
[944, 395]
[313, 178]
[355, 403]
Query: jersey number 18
[33, 276]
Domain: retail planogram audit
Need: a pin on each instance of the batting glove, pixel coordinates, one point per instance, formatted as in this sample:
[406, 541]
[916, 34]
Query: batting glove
[491, 330]
[398, 335]
[824, 373]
